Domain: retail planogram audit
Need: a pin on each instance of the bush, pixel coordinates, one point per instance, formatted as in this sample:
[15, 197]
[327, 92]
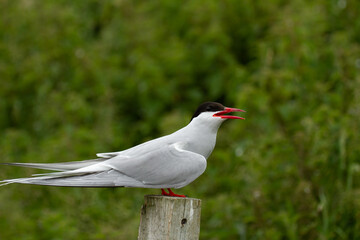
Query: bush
[81, 77]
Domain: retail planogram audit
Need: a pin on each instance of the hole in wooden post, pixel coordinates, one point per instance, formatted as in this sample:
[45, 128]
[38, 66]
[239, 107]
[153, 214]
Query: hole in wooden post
[143, 209]
[183, 221]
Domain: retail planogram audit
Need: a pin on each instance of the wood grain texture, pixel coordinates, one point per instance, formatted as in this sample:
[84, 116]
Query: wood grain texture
[170, 218]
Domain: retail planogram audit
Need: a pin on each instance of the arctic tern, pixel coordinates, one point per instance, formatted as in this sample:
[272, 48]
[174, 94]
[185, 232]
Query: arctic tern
[171, 161]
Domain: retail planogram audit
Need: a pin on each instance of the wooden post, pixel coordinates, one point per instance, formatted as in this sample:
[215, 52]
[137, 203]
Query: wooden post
[170, 218]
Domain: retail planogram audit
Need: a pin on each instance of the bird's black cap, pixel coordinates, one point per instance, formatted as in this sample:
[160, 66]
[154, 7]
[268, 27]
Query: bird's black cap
[208, 107]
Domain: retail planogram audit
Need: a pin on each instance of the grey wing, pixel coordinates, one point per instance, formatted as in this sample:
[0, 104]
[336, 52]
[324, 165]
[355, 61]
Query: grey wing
[110, 178]
[64, 166]
[167, 166]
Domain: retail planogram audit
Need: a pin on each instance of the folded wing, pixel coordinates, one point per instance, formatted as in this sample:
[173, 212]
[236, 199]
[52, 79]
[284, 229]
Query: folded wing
[64, 166]
[169, 166]
[166, 167]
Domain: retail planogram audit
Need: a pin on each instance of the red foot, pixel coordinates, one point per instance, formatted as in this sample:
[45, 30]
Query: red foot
[170, 194]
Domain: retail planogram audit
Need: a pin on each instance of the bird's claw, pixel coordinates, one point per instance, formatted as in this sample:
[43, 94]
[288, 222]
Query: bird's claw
[171, 193]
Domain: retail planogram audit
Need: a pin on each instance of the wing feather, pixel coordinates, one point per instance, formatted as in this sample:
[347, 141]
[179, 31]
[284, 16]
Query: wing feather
[64, 166]
[169, 164]
[111, 178]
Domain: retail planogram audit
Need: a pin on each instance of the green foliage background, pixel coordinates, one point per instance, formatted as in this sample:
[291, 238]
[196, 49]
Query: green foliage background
[82, 77]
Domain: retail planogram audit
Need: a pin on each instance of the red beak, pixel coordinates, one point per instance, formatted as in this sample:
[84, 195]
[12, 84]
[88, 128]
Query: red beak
[229, 110]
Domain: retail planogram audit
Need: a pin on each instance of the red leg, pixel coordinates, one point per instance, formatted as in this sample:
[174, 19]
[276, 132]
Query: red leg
[164, 193]
[172, 194]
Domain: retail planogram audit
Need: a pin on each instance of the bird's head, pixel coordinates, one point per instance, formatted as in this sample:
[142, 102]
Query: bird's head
[215, 112]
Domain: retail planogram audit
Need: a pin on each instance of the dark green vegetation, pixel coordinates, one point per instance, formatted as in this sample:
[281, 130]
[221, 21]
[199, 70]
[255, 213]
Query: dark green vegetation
[81, 77]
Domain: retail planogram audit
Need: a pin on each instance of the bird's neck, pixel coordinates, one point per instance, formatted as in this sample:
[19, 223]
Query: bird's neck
[201, 136]
[210, 127]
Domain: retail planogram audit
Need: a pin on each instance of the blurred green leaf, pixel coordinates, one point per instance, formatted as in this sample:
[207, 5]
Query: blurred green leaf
[81, 77]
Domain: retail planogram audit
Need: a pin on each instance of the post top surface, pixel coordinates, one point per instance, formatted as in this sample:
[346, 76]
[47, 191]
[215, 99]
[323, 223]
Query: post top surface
[171, 198]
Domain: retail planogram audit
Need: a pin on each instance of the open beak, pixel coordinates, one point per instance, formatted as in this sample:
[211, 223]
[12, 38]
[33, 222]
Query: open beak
[229, 110]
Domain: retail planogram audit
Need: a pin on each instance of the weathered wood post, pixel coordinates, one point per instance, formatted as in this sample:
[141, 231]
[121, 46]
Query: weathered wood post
[170, 218]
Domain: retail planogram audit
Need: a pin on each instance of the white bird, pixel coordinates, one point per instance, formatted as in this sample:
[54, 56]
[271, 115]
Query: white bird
[171, 161]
